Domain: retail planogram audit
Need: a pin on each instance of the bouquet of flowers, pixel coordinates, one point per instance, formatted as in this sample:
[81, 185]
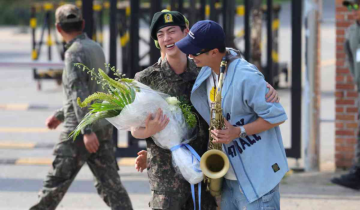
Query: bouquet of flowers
[127, 103]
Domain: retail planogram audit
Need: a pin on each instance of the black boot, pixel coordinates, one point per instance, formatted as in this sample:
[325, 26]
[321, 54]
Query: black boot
[350, 180]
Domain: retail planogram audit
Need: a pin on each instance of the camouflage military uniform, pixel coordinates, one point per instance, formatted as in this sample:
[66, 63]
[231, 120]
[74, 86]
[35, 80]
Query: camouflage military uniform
[169, 189]
[70, 155]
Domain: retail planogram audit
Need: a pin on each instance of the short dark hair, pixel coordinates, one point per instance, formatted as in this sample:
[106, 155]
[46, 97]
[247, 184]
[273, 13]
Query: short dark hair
[182, 28]
[72, 27]
[222, 49]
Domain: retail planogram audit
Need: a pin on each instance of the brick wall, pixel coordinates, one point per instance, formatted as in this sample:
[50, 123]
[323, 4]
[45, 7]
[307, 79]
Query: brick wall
[346, 108]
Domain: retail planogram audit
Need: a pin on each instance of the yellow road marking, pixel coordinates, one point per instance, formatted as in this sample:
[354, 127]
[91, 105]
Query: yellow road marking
[48, 161]
[16, 145]
[126, 162]
[24, 130]
[14, 106]
[122, 145]
[29, 145]
[34, 161]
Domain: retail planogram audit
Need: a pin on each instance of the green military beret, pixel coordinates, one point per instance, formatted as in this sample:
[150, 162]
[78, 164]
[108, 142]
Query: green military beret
[164, 19]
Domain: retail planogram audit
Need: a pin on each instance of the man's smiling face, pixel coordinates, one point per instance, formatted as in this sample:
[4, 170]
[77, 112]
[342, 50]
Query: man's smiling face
[167, 37]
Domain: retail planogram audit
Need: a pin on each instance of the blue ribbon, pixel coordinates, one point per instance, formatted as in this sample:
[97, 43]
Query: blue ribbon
[194, 153]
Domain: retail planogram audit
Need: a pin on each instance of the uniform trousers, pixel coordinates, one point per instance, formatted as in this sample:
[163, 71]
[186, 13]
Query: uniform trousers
[70, 156]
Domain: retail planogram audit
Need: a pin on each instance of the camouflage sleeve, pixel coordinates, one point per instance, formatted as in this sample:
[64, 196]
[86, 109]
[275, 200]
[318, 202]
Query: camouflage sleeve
[59, 114]
[144, 75]
[78, 84]
[139, 77]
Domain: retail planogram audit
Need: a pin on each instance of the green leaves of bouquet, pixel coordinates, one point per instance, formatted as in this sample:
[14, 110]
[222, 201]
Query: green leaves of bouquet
[118, 93]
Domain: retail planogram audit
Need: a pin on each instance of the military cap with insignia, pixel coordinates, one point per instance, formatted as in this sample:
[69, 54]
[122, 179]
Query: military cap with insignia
[186, 23]
[164, 19]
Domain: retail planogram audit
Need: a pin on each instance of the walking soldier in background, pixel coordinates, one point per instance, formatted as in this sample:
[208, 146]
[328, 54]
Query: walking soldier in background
[94, 146]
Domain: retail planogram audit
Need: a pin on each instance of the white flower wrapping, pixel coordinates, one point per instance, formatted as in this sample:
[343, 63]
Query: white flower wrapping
[148, 101]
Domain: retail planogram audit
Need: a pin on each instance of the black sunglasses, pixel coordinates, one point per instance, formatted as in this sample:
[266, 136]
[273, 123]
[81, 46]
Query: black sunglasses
[201, 52]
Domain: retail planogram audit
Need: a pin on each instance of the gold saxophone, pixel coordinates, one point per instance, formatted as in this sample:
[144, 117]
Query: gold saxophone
[214, 163]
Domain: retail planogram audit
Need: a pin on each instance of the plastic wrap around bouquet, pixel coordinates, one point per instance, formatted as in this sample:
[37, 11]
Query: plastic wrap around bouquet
[126, 104]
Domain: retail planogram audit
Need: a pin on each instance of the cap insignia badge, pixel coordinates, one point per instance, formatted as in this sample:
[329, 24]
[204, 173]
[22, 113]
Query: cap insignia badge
[168, 18]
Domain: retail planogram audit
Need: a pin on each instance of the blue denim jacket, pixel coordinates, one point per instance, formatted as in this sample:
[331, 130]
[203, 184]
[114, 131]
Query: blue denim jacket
[259, 161]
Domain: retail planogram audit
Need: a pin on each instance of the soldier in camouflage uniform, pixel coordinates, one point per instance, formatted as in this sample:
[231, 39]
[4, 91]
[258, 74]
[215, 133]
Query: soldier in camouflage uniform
[175, 76]
[94, 146]
[169, 189]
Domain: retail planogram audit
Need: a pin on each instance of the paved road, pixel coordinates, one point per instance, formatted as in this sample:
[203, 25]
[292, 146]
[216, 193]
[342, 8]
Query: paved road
[25, 144]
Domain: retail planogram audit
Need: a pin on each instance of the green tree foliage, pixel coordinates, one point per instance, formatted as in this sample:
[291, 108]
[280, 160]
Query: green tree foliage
[14, 12]
[17, 12]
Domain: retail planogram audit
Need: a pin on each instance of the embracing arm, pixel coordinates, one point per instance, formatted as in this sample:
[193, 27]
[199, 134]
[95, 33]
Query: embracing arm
[272, 95]
[140, 133]
[258, 126]
[152, 126]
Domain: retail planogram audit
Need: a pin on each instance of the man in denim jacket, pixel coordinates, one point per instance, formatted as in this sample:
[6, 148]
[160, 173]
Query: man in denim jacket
[252, 138]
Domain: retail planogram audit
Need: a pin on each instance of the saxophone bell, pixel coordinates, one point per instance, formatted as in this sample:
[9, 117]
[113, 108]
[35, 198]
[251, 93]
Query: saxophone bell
[214, 164]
